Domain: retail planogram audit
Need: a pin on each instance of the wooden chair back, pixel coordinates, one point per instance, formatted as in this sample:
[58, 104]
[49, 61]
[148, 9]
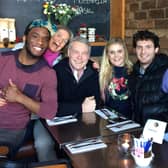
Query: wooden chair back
[60, 163]
[4, 150]
[52, 166]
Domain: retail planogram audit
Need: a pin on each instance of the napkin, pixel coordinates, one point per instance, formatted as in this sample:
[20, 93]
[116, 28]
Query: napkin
[105, 113]
[61, 120]
[85, 146]
[124, 125]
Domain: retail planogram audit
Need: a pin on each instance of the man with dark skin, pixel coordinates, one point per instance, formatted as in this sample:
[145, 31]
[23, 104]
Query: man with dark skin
[27, 85]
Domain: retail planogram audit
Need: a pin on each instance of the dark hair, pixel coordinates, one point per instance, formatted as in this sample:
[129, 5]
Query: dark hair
[145, 35]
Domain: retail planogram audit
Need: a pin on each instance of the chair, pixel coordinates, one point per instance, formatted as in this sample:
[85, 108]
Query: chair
[4, 150]
[27, 150]
[4, 163]
[61, 163]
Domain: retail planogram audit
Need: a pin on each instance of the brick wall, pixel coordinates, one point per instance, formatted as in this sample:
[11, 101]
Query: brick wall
[147, 14]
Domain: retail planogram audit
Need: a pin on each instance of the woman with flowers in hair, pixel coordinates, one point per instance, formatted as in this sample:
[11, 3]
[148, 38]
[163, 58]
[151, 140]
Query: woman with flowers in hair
[113, 77]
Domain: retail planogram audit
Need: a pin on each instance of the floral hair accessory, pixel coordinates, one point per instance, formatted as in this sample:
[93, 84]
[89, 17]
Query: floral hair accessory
[42, 23]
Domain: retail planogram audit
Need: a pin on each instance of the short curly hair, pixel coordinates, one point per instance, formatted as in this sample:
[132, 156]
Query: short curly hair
[146, 35]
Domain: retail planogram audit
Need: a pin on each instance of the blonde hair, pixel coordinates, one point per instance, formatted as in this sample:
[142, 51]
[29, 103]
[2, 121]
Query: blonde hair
[106, 69]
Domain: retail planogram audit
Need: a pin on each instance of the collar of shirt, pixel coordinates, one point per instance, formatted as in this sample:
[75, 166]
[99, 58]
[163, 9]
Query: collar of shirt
[141, 71]
[77, 74]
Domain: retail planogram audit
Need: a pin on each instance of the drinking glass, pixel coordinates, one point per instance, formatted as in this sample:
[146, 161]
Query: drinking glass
[125, 143]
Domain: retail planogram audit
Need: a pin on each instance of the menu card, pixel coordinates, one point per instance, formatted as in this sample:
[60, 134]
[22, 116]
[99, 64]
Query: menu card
[155, 130]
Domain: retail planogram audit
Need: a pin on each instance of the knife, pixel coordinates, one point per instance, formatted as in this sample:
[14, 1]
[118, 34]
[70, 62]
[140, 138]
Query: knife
[62, 118]
[121, 124]
[84, 142]
[87, 144]
[105, 113]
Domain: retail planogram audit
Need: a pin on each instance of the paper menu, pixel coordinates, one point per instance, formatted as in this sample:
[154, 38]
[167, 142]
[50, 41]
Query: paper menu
[154, 129]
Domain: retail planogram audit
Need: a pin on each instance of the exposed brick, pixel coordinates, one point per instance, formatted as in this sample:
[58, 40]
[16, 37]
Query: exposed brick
[140, 15]
[161, 23]
[156, 13]
[134, 7]
[154, 21]
[146, 24]
[162, 3]
[163, 33]
[129, 33]
[127, 8]
[164, 50]
[167, 12]
[129, 1]
[131, 24]
[148, 4]
[129, 40]
[163, 42]
[129, 16]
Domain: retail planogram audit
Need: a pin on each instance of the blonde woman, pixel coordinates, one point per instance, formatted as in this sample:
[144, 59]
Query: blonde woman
[114, 71]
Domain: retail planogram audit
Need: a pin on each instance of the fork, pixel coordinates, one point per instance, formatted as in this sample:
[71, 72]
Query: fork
[105, 113]
[87, 144]
[121, 125]
[88, 141]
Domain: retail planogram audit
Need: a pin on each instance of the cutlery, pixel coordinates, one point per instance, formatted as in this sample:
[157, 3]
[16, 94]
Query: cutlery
[111, 121]
[111, 115]
[62, 118]
[87, 144]
[122, 117]
[105, 112]
[119, 125]
[84, 142]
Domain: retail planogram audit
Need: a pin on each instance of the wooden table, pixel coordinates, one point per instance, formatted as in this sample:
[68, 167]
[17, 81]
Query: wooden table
[90, 125]
[110, 157]
[87, 126]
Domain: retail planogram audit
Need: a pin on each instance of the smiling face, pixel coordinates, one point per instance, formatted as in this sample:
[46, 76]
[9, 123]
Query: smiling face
[59, 40]
[116, 55]
[37, 41]
[78, 55]
[145, 51]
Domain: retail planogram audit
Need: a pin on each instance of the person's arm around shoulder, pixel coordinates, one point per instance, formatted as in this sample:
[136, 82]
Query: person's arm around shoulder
[165, 82]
